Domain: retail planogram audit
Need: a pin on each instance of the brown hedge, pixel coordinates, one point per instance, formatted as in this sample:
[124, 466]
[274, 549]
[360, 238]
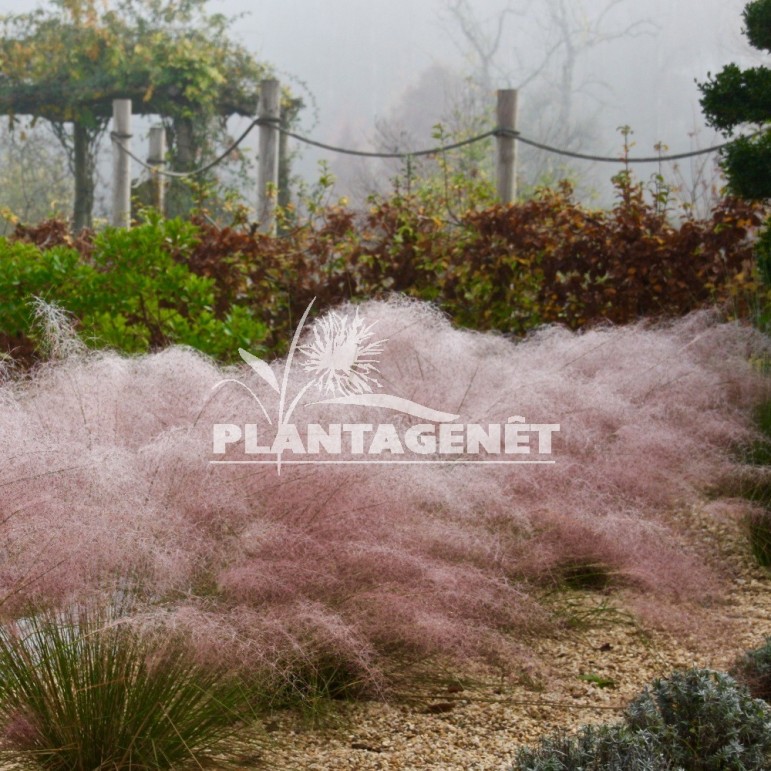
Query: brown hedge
[509, 268]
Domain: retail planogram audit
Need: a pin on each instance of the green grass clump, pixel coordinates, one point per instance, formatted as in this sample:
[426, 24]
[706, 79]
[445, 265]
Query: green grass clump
[585, 575]
[598, 680]
[759, 452]
[81, 690]
[759, 531]
[756, 486]
[314, 686]
[753, 669]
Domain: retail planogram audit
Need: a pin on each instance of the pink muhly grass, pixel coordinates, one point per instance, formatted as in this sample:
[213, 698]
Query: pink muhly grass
[105, 479]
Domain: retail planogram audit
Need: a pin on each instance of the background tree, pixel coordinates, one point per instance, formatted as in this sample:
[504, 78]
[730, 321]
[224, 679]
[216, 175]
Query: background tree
[35, 182]
[66, 63]
[542, 49]
[736, 97]
[566, 33]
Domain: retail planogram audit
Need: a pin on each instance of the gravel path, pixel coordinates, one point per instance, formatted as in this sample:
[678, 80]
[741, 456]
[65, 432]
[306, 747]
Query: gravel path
[473, 722]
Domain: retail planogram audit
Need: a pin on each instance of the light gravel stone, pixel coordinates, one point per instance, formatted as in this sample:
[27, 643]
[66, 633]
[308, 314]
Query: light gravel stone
[482, 731]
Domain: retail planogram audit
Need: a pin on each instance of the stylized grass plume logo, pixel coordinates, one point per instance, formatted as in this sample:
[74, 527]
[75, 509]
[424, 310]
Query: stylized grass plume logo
[341, 356]
[342, 361]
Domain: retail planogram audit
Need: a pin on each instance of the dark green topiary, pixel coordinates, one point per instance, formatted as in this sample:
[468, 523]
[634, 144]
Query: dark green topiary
[593, 748]
[704, 721]
[753, 669]
[747, 162]
[757, 24]
[736, 97]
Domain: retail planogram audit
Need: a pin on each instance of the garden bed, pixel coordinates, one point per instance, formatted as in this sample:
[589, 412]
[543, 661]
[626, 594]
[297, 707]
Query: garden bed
[475, 721]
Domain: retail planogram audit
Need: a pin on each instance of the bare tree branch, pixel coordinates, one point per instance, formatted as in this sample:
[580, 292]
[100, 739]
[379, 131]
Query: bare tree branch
[499, 48]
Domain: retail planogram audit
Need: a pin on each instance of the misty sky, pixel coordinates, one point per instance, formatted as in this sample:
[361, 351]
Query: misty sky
[358, 58]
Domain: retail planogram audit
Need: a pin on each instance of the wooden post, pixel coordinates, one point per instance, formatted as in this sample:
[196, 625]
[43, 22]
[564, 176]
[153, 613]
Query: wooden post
[506, 162]
[157, 159]
[121, 179]
[269, 111]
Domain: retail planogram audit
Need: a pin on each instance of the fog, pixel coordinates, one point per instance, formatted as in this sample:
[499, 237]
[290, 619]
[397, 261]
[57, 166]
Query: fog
[361, 64]
[360, 59]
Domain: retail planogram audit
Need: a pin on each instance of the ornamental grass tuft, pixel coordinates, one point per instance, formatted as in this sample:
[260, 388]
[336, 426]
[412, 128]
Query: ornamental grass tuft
[83, 690]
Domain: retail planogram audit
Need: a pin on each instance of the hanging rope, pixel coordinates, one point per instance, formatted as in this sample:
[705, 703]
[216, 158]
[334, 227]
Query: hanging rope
[180, 174]
[498, 132]
[620, 158]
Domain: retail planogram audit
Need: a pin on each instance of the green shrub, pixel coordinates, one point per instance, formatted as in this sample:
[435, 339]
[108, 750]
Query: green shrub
[144, 296]
[695, 720]
[27, 272]
[593, 748]
[82, 690]
[753, 669]
[132, 290]
[704, 721]
[505, 268]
